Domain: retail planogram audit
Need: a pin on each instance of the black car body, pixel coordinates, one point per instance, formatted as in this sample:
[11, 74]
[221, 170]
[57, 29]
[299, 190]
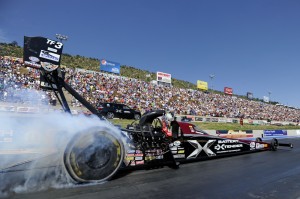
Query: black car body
[112, 110]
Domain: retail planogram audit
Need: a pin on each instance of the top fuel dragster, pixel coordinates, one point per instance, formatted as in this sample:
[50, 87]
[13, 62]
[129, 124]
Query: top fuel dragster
[144, 143]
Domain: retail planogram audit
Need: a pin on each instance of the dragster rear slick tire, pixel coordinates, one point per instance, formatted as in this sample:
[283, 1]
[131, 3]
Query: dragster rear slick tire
[93, 156]
[274, 144]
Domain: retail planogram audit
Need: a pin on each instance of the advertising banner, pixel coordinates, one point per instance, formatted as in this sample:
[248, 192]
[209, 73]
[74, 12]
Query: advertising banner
[228, 90]
[109, 66]
[275, 132]
[42, 52]
[202, 85]
[163, 77]
[249, 95]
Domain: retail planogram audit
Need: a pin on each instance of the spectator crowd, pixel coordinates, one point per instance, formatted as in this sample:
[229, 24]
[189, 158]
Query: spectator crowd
[99, 87]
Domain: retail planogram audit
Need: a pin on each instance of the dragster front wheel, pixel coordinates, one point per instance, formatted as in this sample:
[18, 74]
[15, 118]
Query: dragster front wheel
[94, 155]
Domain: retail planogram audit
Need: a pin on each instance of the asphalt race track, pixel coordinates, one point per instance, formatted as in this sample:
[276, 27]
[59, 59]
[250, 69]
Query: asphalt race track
[259, 175]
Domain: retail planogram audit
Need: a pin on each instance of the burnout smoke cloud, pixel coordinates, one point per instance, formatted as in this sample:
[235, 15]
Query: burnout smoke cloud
[29, 143]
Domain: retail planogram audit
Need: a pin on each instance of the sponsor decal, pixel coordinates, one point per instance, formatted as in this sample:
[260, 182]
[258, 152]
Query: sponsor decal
[151, 151]
[179, 156]
[181, 151]
[49, 66]
[139, 162]
[259, 146]
[199, 148]
[228, 151]
[226, 146]
[227, 141]
[255, 145]
[130, 151]
[129, 158]
[52, 49]
[138, 158]
[50, 56]
[174, 152]
[32, 64]
[34, 59]
[177, 143]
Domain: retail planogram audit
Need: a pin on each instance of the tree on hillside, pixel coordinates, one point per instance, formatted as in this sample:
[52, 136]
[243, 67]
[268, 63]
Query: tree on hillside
[14, 43]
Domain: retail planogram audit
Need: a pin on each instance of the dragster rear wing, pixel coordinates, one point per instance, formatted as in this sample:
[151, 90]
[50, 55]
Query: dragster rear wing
[45, 54]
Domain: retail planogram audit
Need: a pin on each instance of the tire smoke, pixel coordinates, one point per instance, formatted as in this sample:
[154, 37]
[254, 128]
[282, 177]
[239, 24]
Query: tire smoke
[32, 148]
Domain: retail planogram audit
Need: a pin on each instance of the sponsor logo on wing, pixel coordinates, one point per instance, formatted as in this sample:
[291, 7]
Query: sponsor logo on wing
[33, 64]
[52, 49]
[34, 59]
[48, 55]
[48, 66]
[199, 148]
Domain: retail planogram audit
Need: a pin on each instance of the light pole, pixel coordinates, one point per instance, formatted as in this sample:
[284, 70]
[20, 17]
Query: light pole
[61, 37]
[269, 92]
[211, 80]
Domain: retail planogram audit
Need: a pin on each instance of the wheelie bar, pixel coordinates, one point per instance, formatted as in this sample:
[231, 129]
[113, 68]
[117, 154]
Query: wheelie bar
[286, 144]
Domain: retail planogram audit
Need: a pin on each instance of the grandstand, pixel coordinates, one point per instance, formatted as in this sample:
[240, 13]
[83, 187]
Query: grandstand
[142, 94]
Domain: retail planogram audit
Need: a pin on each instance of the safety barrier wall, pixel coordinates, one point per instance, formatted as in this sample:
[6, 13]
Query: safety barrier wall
[280, 132]
[257, 133]
[194, 118]
[191, 118]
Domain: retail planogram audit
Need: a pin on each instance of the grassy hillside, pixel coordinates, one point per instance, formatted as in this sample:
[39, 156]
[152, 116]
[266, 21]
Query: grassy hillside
[88, 63]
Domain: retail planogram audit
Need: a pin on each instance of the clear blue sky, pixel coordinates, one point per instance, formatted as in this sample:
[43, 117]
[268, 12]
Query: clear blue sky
[249, 45]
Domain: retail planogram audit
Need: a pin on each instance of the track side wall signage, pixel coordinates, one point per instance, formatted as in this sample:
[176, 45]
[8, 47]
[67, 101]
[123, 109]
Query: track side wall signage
[275, 132]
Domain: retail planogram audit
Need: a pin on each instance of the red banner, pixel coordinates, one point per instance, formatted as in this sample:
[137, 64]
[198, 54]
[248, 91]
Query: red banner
[228, 90]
